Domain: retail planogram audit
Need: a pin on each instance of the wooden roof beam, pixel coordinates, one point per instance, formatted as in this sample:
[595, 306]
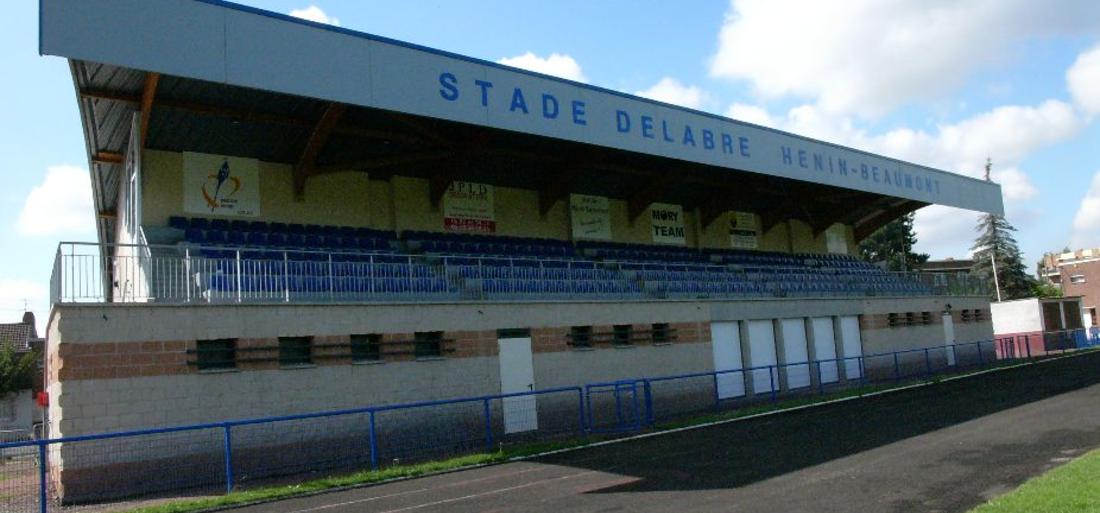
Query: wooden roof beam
[147, 94]
[307, 161]
[440, 181]
[875, 220]
[641, 200]
[107, 157]
[251, 116]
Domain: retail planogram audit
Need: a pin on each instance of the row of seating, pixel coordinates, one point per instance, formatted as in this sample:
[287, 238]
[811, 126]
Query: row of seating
[344, 261]
[238, 225]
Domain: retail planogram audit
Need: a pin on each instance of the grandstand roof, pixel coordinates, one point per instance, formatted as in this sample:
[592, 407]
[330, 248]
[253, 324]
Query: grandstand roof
[215, 77]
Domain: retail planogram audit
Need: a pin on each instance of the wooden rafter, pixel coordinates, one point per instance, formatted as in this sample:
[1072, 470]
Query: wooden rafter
[107, 157]
[382, 162]
[148, 93]
[307, 161]
[641, 200]
[442, 179]
[252, 116]
[867, 225]
[564, 180]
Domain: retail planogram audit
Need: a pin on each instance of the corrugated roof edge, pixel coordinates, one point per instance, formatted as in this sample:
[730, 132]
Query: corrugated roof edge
[475, 60]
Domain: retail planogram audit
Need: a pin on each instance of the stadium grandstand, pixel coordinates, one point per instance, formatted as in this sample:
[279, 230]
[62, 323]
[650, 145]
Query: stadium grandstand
[295, 217]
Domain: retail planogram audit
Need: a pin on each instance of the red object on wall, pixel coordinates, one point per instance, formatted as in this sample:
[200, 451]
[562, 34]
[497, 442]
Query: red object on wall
[43, 399]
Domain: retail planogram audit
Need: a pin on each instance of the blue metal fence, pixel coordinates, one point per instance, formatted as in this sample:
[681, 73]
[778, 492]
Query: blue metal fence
[227, 455]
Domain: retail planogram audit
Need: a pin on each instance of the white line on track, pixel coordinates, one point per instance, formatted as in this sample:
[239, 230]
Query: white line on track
[420, 490]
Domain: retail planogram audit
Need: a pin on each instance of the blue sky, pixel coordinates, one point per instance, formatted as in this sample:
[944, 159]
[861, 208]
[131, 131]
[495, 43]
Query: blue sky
[940, 83]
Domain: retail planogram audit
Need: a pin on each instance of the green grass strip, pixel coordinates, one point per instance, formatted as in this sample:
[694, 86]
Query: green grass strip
[1070, 488]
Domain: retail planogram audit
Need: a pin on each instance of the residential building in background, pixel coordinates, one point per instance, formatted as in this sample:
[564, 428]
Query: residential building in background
[1077, 273]
[18, 411]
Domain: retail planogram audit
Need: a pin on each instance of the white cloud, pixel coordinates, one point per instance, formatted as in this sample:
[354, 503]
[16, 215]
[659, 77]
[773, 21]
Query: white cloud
[314, 13]
[1083, 79]
[558, 65]
[670, 90]
[61, 204]
[750, 114]
[1086, 224]
[1008, 134]
[869, 56]
[16, 294]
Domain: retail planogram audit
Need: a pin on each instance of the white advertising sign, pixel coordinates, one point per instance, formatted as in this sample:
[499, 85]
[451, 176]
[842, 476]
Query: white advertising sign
[836, 241]
[743, 230]
[221, 185]
[667, 223]
[591, 216]
[468, 207]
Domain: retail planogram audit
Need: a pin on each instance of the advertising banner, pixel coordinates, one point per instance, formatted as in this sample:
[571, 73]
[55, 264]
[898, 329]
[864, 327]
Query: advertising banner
[743, 231]
[468, 207]
[667, 223]
[591, 216]
[221, 185]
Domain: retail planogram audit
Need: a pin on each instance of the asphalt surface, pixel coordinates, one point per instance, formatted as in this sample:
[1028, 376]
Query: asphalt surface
[942, 448]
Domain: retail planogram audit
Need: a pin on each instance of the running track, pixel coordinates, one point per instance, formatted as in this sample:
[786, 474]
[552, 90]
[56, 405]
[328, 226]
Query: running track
[940, 448]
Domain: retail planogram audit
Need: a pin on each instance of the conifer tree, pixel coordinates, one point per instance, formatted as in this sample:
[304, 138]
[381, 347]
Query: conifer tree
[995, 244]
[893, 244]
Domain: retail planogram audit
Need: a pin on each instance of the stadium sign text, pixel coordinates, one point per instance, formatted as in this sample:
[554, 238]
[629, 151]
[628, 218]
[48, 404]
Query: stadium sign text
[683, 135]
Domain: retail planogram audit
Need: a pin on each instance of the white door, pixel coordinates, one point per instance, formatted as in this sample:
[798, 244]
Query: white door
[762, 353]
[726, 344]
[517, 374]
[852, 345]
[949, 338]
[825, 348]
[795, 351]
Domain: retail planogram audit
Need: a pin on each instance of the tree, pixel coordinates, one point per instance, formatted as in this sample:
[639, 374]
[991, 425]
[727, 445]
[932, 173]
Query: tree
[893, 244]
[16, 370]
[996, 243]
[1045, 290]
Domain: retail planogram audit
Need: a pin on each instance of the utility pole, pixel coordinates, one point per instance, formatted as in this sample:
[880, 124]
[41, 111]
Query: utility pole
[996, 282]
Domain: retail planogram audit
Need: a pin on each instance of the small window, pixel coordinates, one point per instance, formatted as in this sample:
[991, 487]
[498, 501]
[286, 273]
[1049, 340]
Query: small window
[295, 351]
[1077, 278]
[892, 320]
[428, 344]
[910, 319]
[660, 333]
[623, 334]
[366, 348]
[581, 336]
[926, 318]
[216, 354]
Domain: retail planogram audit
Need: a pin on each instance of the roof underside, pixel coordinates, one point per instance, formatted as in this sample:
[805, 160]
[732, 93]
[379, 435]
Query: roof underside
[194, 115]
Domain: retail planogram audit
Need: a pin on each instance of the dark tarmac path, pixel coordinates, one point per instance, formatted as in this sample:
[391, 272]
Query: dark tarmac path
[940, 448]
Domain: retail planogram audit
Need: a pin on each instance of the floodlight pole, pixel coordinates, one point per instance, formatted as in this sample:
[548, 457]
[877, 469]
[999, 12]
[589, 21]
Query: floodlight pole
[996, 282]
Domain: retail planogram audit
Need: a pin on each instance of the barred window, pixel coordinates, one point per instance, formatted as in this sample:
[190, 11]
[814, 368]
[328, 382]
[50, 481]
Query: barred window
[659, 333]
[216, 354]
[295, 351]
[366, 348]
[623, 334]
[581, 336]
[428, 344]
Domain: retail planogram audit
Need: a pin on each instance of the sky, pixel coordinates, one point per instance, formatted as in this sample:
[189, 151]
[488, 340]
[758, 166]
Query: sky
[941, 83]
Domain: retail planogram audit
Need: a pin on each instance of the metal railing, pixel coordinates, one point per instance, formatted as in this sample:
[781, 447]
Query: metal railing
[39, 475]
[87, 272]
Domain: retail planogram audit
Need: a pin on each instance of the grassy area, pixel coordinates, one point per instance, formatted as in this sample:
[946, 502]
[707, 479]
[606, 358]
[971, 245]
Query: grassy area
[1071, 488]
[356, 479]
[262, 494]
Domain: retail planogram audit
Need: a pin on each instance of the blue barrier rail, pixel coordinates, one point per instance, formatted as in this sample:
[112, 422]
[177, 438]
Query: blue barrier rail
[481, 423]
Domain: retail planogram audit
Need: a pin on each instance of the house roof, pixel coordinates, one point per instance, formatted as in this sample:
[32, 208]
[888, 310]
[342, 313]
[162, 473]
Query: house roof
[18, 333]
